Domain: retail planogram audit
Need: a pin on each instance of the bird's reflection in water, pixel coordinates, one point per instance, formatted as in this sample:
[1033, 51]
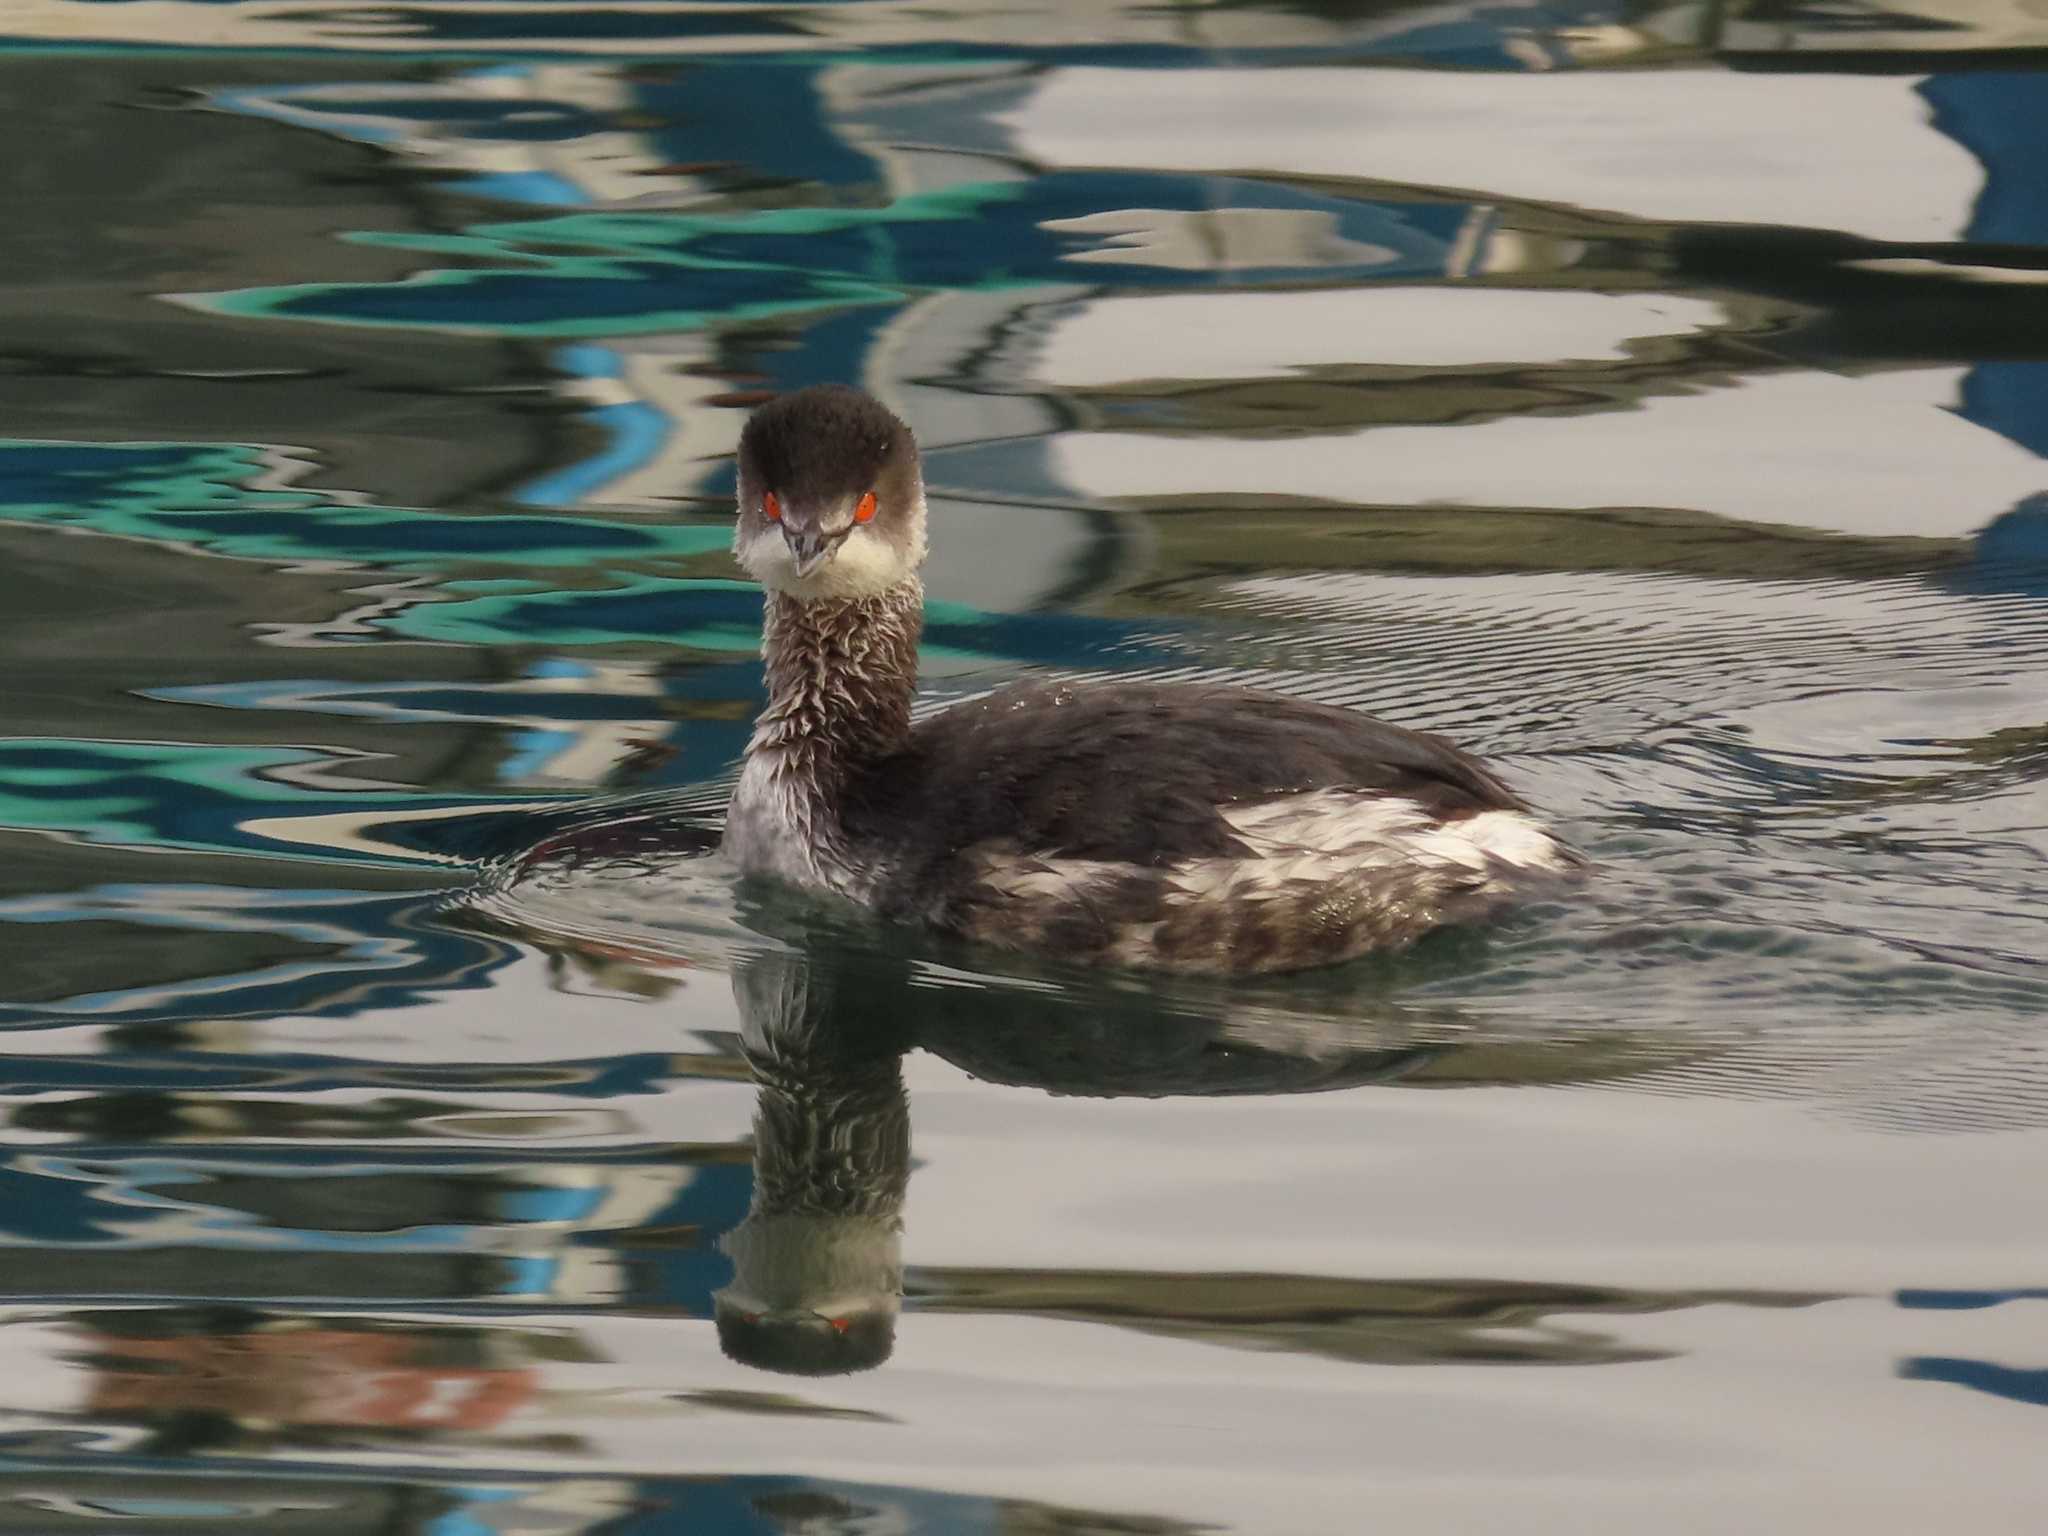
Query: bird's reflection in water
[817, 1264]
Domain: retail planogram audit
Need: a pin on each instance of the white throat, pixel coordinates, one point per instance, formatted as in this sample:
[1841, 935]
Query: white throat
[865, 563]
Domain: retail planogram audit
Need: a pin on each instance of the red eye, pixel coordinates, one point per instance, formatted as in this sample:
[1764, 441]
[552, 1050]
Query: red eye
[866, 510]
[771, 507]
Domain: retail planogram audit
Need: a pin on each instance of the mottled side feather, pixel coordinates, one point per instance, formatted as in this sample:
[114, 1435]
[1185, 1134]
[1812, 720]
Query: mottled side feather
[1203, 828]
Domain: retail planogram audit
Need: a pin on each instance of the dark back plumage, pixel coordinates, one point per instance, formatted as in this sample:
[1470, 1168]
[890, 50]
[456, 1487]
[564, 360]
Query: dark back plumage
[1133, 783]
[1139, 773]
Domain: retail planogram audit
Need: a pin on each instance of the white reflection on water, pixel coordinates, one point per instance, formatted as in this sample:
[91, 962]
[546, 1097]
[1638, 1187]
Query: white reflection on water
[1842, 152]
[1877, 455]
[1258, 335]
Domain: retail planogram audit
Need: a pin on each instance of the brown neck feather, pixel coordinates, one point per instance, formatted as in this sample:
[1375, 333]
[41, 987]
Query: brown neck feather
[841, 674]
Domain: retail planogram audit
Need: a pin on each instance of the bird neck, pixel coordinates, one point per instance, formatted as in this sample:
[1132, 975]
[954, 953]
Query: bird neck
[841, 675]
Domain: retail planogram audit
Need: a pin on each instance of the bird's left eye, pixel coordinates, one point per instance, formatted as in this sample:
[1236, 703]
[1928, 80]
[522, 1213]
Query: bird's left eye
[771, 508]
[865, 511]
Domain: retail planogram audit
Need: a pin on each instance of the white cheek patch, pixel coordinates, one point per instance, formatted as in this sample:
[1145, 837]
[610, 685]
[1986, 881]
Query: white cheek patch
[767, 557]
[863, 564]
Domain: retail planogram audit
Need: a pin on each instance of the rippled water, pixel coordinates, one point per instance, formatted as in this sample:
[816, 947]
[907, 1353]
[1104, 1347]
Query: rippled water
[1653, 399]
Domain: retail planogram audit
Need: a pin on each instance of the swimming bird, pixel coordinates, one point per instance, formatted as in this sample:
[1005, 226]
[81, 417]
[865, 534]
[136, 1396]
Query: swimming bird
[1120, 823]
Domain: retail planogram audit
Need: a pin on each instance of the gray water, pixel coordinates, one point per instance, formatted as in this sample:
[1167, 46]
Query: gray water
[1654, 400]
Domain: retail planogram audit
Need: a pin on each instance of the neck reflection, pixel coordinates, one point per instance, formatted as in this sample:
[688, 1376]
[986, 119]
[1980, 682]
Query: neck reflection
[818, 1261]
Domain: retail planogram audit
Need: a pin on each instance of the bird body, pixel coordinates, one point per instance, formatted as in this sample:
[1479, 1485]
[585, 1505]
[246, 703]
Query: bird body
[1125, 823]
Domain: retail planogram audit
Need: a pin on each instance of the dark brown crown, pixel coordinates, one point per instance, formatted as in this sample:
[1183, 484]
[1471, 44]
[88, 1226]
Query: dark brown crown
[826, 444]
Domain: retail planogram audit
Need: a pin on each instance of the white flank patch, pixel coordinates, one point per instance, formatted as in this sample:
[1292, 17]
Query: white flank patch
[1314, 838]
[1503, 837]
[1350, 828]
[1327, 821]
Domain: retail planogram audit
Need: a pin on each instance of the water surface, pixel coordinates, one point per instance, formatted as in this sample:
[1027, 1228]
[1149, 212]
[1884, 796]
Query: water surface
[1655, 400]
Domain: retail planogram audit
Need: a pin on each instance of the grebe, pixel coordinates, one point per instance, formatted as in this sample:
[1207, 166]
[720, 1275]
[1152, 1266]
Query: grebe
[1129, 824]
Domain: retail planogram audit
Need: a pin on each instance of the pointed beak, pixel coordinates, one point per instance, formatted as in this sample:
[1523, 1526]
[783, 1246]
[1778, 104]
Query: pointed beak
[811, 547]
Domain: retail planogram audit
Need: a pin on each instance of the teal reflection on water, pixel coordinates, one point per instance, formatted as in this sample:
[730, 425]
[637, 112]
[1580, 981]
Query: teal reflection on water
[666, 272]
[235, 499]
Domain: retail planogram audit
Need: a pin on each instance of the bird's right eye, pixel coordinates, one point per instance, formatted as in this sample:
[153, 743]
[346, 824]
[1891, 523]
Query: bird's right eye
[771, 507]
